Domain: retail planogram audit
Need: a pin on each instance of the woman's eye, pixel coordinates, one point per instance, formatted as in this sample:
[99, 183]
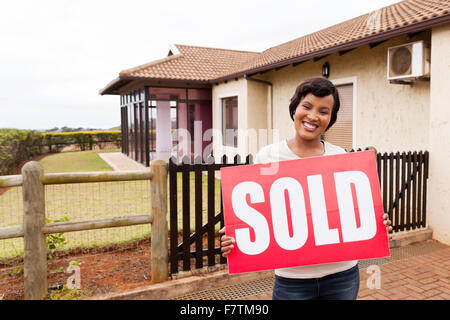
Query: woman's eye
[306, 107]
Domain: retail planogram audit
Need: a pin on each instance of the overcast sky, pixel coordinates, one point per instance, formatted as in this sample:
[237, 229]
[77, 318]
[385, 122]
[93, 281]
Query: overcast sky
[55, 56]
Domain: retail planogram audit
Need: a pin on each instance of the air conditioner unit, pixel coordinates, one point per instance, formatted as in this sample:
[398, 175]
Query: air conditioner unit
[408, 61]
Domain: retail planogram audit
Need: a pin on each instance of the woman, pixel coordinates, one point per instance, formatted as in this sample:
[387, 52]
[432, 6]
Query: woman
[313, 109]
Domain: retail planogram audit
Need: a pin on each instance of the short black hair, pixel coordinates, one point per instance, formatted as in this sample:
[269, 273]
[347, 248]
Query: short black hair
[320, 87]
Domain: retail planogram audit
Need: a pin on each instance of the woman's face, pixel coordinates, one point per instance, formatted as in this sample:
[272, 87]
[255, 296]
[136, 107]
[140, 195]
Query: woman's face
[312, 116]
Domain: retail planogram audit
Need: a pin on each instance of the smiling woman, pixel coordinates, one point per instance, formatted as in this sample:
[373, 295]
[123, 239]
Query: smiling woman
[313, 109]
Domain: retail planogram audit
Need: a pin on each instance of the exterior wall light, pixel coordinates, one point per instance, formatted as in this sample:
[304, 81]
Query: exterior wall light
[326, 70]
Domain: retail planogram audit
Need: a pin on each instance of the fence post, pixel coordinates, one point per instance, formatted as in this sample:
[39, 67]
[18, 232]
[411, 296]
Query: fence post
[35, 249]
[374, 151]
[159, 232]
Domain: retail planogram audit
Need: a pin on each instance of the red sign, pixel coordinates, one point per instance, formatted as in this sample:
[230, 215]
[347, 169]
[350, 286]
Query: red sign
[308, 211]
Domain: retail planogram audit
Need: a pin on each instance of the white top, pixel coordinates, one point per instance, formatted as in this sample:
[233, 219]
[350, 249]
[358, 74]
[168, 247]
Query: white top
[281, 152]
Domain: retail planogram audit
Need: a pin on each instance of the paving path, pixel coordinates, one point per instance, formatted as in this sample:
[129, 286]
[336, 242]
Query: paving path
[120, 162]
[418, 271]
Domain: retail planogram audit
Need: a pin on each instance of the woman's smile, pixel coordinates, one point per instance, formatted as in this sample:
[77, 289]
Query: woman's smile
[309, 126]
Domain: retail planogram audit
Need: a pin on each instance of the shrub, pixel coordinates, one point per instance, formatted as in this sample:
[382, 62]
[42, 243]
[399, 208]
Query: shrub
[86, 140]
[17, 146]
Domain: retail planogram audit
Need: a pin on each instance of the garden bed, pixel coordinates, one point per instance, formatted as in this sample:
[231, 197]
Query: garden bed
[108, 269]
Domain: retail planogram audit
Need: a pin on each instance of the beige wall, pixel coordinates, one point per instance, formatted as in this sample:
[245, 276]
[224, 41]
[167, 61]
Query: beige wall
[388, 116]
[391, 117]
[439, 137]
[253, 115]
[258, 95]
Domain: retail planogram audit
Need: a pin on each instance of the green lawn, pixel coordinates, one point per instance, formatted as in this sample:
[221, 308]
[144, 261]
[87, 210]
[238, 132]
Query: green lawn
[77, 161]
[93, 201]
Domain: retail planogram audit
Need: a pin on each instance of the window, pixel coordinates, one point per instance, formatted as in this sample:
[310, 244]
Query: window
[230, 121]
[341, 132]
[173, 115]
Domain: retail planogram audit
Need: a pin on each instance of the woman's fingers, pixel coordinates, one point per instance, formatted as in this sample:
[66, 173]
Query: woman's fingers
[227, 249]
[387, 223]
[226, 243]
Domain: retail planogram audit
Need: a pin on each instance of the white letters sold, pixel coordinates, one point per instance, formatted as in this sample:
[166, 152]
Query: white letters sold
[322, 234]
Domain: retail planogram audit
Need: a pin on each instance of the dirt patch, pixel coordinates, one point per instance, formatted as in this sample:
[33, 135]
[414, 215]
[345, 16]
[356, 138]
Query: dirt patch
[120, 268]
[109, 269]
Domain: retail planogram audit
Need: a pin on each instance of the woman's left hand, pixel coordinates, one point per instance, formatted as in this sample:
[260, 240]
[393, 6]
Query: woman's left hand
[387, 223]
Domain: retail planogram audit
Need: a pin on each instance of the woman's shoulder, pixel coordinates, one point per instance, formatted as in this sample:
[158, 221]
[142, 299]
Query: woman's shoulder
[270, 147]
[272, 152]
[331, 149]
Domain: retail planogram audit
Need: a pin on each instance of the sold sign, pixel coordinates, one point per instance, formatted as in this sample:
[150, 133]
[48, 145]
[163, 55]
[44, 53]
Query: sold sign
[311, 211]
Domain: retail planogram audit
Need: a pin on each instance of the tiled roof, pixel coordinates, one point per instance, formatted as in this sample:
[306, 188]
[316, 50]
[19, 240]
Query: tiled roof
[211, 65]
[192, 63]
[370, 25]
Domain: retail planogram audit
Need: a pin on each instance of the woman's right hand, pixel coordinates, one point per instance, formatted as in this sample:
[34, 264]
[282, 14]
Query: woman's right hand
[226, 243]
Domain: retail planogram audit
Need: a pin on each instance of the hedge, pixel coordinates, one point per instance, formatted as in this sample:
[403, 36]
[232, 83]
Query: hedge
[85, 140]
[18, 145]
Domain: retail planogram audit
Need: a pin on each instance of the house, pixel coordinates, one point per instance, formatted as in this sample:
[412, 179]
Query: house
[234, 102]
[177, 89]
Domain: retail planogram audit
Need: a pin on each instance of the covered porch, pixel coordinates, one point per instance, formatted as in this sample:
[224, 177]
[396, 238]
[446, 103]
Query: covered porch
[161, 122]
[166, 105]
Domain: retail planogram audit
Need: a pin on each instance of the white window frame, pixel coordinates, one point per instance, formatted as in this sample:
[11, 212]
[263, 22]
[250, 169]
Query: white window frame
[353, 81]
[220, 98]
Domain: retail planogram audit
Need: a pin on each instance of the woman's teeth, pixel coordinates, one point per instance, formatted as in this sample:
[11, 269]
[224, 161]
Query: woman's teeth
[309, 125]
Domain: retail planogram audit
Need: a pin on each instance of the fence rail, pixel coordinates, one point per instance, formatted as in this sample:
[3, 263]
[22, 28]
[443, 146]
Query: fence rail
[34, 228]
[11, 181]
[83, 140]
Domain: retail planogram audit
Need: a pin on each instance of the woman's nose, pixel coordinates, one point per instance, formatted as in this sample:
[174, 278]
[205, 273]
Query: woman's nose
[313, 116]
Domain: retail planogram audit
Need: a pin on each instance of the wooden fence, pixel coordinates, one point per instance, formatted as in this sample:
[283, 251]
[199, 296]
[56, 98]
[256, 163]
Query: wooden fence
[403, 182]
[82, 140]
[34, 228]
[181, 251]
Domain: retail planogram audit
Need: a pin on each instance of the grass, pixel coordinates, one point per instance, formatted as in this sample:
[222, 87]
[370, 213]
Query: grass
[76, 161]
[93, 201]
